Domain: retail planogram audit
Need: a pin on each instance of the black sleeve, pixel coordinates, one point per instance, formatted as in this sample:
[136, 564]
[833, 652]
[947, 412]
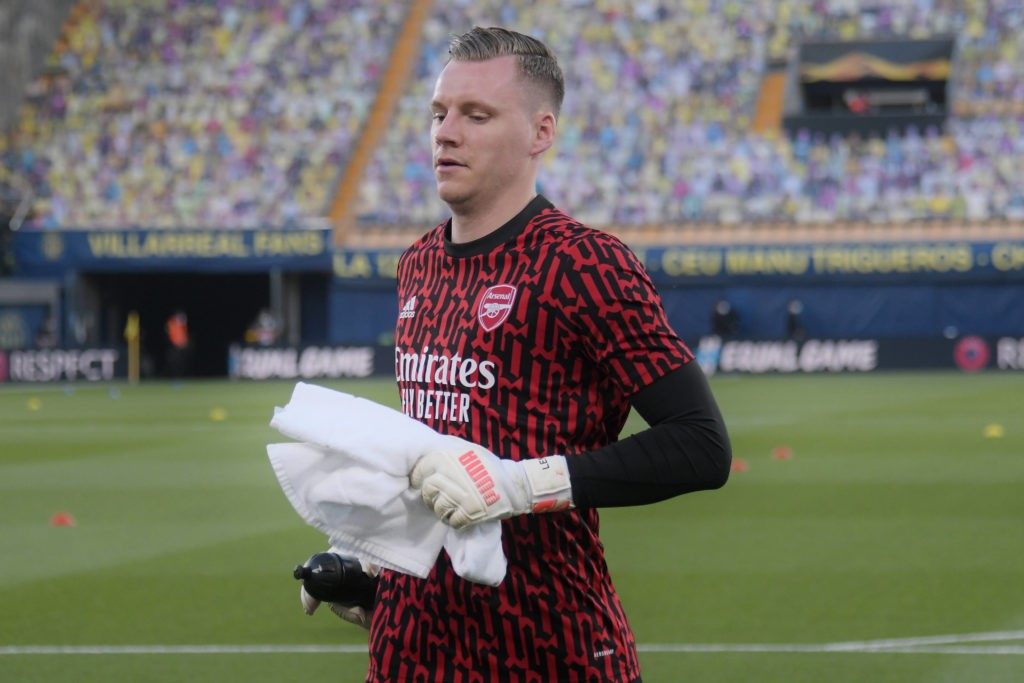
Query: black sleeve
[685, 448]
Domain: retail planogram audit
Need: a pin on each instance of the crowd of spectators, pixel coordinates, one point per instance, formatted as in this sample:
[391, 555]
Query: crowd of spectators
[656, 125]
[214, 113]
[242, 113]
[27, 30]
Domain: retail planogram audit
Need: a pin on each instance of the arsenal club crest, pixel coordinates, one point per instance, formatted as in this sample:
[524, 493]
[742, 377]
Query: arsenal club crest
[495, 306]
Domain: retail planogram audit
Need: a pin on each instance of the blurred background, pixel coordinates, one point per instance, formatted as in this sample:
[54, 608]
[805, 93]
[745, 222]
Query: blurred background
[841, 172]
[828, 194]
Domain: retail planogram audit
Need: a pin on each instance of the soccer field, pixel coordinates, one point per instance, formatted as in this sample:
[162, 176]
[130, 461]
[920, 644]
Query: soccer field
[876, 533]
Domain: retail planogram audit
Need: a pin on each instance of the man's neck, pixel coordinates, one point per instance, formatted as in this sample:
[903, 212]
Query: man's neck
[469, 225]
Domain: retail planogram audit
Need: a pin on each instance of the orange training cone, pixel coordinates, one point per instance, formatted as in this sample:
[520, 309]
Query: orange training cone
[62, 519]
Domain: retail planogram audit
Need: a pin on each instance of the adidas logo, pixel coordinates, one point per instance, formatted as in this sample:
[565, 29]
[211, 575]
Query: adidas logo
[409, 309]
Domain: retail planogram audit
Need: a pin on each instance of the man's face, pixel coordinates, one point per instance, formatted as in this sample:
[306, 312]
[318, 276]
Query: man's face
[482, 134]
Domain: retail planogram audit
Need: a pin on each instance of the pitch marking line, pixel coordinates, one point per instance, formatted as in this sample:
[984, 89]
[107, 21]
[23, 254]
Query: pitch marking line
[960, 644]
[945, 644]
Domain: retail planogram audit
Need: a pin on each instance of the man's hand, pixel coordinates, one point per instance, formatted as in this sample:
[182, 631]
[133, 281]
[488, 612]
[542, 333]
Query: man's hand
[468, 485]
[348, 586]
[354, 614]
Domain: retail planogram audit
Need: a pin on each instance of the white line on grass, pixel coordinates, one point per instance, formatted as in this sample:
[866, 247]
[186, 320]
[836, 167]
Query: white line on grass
[176, 649]
[907, 645]
[946, 644]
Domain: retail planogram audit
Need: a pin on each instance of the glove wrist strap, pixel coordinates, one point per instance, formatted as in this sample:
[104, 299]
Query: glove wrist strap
[550, 488]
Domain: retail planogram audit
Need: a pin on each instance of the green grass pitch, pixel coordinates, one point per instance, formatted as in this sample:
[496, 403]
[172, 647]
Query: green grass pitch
[876, 534]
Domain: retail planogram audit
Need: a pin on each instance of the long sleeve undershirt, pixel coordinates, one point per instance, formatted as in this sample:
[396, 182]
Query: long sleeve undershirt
[685, 448]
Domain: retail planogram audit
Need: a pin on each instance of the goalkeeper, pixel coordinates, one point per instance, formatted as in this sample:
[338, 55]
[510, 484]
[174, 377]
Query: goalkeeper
[532, 335]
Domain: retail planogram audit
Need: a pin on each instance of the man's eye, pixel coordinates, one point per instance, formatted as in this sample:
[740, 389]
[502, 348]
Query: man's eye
[437, 117]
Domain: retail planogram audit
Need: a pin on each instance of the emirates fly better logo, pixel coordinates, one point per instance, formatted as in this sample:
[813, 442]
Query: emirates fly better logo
[495, 306]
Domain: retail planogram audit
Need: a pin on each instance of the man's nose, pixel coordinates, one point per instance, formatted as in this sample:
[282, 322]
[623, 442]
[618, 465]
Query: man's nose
[446, 131]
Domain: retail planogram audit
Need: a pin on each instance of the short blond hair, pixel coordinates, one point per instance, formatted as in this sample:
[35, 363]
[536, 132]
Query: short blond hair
[537, 63]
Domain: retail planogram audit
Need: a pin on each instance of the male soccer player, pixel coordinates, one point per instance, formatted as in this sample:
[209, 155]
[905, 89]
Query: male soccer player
[532, 335]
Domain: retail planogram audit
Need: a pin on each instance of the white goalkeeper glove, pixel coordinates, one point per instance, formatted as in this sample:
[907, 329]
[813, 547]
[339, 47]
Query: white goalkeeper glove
[353, 614]
[468, 485]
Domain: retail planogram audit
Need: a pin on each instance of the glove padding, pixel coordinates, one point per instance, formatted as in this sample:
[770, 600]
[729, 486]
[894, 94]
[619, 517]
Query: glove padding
[354, 614]
[469, 485]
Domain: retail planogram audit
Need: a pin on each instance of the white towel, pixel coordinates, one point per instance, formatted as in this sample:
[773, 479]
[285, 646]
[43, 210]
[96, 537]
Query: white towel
[350, 479]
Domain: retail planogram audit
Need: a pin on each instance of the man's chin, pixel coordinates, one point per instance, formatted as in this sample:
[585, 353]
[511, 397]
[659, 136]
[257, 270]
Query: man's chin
[450, 195]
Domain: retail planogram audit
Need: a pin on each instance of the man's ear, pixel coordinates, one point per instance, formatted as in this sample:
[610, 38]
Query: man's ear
[544, 125]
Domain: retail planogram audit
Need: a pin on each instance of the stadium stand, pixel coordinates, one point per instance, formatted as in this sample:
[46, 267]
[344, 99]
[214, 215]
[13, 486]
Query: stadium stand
[243, 113]
[27, 31]
[228, 114]
[657, 129]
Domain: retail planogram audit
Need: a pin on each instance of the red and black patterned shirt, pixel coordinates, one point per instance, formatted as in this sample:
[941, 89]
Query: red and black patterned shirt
[530, 342]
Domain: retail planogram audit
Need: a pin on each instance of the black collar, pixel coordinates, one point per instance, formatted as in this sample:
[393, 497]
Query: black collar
[505, 233]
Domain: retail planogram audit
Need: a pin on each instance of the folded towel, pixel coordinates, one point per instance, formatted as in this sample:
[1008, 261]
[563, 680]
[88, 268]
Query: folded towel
[350, 479]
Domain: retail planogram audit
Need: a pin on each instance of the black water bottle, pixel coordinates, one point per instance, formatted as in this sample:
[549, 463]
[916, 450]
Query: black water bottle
[330, 577]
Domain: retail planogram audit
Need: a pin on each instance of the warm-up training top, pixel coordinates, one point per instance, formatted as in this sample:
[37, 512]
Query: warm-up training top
[536, 340]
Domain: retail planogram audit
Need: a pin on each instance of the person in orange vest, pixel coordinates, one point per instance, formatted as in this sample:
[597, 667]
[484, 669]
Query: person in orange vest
[178, 344]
